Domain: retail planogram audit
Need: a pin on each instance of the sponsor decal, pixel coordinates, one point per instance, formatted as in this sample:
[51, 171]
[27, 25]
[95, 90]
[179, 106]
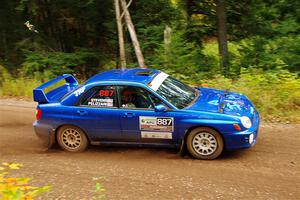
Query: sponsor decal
[157, 81]
[148, 121]
[79, 91]
[156, 135]
[241, 102]
[165, 124]
[101, 102]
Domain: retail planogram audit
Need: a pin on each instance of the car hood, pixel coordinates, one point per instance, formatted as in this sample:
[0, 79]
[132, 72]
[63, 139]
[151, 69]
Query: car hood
[223, 101]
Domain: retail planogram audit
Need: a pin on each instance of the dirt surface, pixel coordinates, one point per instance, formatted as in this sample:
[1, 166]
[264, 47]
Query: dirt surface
[269, 170]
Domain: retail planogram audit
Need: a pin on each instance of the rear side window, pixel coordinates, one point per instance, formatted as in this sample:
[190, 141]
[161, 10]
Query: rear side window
[100, 96]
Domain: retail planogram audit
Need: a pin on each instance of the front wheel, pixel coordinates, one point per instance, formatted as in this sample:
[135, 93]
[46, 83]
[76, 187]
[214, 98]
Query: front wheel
[205, 143]
[72, 139]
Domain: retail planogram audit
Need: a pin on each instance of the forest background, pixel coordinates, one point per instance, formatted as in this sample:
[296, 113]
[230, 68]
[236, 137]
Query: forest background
[80, 37]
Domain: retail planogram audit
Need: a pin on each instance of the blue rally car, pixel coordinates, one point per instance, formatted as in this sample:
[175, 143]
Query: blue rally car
[143, 107]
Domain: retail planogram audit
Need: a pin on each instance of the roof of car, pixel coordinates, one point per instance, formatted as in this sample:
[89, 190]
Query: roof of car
[132, 75]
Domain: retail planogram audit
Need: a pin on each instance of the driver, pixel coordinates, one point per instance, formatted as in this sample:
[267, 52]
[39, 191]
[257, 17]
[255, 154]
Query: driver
[127, 98]
[132, 98]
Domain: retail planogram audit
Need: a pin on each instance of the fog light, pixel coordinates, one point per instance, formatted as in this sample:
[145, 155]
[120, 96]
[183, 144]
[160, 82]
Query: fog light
[251, 138]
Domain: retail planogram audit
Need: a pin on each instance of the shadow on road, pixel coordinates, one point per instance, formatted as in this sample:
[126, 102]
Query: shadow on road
[144, 152]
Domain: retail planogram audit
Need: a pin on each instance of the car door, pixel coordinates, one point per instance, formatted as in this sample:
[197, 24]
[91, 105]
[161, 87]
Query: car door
[98, 113]
[140, 122]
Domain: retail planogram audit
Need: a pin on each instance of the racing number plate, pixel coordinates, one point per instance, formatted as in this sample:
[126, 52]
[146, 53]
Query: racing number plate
[165, 124]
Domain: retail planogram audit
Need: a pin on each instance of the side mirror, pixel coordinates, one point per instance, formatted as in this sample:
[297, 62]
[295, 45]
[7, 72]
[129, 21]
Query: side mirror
[160, 108]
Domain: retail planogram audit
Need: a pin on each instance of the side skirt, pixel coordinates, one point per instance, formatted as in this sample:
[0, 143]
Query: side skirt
[135, 144]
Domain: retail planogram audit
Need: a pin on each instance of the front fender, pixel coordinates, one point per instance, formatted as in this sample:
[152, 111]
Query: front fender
[222, 126]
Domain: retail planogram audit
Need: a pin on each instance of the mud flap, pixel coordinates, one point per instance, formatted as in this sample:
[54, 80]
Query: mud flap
[183, 150]
[51, 139]
[47, 141]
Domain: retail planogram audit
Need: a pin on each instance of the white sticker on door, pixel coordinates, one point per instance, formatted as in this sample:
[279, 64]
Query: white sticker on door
[156, 135]
[157, 123]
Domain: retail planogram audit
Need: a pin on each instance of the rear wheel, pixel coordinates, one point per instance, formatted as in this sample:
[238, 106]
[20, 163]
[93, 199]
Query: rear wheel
[72, 139]
[204, 143]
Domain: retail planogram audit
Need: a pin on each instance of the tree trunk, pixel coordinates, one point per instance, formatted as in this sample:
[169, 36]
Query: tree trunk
[4, 43]
[120, 36]
[167, 44]
[133, 36]
[222, 36]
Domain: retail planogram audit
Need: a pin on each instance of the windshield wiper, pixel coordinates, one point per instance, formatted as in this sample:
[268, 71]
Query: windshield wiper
[195, 98]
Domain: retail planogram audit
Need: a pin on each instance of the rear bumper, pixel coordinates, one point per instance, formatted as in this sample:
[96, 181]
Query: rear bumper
[45, 133]
[240, 140]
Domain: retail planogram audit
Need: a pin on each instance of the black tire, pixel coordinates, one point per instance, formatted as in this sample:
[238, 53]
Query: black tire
[71, 139]
[204, 143]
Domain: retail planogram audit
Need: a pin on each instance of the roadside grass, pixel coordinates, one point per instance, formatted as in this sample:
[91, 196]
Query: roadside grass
[20, 87]
[276, 94]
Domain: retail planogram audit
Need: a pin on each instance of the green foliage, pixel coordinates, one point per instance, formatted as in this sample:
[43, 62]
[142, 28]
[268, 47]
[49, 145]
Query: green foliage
[258, 52]
[264, 18]
[17, 188]
[4, 74]
[180, 54]
[46, 65]
[283, 52]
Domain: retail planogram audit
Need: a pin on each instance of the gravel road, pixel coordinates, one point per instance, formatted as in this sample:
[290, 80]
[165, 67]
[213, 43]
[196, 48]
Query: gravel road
[269, 170]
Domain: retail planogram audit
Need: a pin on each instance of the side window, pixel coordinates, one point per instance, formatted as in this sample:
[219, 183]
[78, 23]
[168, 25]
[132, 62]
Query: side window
[100, 96]
[136, 97]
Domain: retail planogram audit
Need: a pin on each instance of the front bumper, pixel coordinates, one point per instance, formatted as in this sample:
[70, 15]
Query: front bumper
[240, 140]
[45, 133]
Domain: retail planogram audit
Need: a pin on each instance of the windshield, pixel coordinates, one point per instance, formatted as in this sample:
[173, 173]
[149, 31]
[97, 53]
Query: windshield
[176, 92]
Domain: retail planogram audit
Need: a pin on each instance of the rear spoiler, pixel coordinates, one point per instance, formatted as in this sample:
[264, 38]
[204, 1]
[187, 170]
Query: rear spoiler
[53, 95]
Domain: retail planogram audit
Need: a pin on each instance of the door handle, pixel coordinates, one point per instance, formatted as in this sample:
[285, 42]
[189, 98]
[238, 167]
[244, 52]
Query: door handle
[81, 112]
[129, 114]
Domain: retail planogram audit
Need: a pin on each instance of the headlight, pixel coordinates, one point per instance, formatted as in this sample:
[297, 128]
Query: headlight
[246, 122]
